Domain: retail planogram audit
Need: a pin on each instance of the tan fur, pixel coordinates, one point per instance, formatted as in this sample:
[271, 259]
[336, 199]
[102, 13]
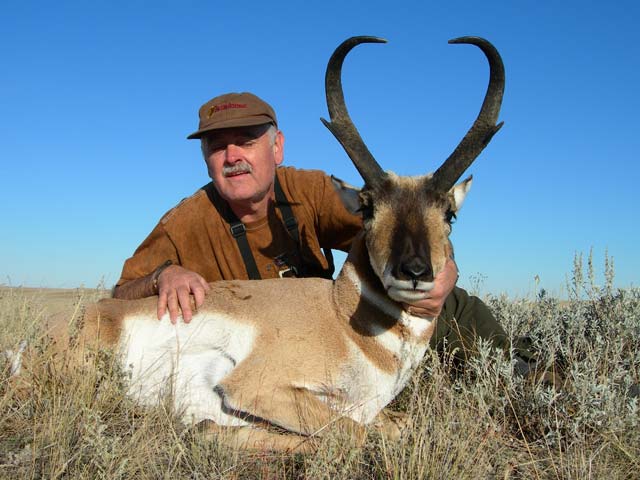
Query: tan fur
[438, 237]
[379, 237]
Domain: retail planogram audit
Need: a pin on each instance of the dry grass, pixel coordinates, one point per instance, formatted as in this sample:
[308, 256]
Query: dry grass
[483, 423]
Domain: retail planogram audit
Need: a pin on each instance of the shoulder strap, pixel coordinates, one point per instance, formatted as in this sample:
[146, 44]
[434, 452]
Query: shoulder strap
[239, 232]
[237, 229]
[284, 206]
[292, 226]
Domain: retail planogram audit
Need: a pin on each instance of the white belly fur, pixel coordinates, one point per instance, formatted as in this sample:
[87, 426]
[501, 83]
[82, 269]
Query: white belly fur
[184, 360]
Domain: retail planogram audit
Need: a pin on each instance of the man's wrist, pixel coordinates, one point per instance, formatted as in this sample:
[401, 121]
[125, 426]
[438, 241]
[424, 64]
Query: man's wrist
[156, 275]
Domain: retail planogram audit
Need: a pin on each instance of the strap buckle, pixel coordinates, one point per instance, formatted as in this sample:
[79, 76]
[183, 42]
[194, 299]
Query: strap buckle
[291, 272]
[238, 229]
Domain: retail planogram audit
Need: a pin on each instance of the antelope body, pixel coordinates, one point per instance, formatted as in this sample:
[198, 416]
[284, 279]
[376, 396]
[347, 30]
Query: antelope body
[262, 349]
[297, 354]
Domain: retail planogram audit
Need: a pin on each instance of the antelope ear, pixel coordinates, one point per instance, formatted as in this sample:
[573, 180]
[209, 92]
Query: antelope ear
[459, 192]
[349, 195]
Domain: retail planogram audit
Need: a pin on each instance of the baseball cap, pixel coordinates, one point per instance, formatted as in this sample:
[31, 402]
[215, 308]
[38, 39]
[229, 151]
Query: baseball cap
[233, 110]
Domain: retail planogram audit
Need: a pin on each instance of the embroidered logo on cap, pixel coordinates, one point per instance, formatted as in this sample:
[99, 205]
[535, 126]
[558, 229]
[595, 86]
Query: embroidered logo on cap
[224, 106]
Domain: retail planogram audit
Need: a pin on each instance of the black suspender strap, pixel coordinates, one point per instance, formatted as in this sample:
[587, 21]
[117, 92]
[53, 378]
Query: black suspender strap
[287, 214]
[292, 226]
[237, 228]
[239, 232]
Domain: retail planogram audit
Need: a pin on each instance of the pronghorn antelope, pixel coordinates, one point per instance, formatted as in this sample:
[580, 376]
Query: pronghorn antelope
[273, 362]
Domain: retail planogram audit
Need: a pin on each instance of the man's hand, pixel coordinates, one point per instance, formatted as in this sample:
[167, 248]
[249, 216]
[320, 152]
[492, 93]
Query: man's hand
[443, 285]
[175, 284]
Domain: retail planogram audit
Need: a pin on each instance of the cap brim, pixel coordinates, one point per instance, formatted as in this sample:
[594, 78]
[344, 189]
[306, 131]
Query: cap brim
[235, 122]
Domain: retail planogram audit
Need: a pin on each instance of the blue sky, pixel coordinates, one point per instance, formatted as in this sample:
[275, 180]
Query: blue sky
[97, 99]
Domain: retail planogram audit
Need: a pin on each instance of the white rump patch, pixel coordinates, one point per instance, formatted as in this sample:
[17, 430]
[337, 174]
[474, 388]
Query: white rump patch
[185, 360]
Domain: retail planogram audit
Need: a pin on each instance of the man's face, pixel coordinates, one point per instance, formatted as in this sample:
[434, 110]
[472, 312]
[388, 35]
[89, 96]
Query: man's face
[242, 161]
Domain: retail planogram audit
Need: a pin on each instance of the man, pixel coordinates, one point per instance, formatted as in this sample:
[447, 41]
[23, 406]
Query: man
[256, 220]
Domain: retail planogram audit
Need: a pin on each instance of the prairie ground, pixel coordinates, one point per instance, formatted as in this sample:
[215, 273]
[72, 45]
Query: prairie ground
[484, 421]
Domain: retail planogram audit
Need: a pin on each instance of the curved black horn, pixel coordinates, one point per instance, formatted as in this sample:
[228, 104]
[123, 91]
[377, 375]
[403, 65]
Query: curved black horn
[484, 128]
[341, 124]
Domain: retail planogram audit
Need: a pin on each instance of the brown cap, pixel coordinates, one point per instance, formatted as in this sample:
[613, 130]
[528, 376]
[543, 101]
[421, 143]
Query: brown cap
[233, 110]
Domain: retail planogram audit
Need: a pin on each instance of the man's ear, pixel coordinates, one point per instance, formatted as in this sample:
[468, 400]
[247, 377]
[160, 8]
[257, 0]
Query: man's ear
[349, 195]
[459, 192]
[278, 147]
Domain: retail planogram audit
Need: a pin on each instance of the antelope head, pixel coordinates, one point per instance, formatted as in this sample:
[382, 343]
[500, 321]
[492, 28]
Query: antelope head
[407, 220]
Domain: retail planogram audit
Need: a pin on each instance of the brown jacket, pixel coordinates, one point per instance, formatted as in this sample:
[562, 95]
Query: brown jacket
[195, 235]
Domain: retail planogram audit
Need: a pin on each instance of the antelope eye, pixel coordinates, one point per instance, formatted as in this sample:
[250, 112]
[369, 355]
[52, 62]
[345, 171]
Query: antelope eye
[366, 211]
[450, 217]
[366, 204]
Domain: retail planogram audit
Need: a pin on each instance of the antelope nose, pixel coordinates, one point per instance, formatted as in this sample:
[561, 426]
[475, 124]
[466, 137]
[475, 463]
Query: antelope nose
[416, 268]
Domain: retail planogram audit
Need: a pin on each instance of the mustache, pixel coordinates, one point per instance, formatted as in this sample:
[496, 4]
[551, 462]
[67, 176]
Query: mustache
[236, 168]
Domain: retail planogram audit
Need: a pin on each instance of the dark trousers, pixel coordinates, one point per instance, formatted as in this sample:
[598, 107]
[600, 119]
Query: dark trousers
[464, 318]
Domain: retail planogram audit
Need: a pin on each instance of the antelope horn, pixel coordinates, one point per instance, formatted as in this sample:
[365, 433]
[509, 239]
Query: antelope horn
[341, 124]
[484, 128]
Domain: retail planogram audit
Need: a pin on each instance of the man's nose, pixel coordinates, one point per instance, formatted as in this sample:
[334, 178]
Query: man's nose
[232, 152]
